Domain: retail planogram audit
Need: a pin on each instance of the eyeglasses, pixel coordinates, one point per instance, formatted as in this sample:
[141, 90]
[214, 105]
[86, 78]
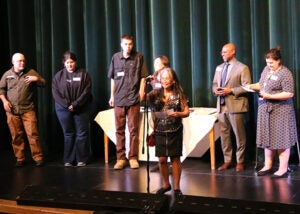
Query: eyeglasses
[223, 52]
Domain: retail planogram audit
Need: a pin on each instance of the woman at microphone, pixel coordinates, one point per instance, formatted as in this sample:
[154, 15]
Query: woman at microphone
[160, 62]
[169, 106]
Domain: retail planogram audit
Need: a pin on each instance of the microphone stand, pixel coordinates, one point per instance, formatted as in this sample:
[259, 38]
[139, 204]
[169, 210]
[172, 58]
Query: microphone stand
[146, 127]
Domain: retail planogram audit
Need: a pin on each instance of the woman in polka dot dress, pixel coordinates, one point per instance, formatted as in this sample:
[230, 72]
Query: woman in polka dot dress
[276, 121]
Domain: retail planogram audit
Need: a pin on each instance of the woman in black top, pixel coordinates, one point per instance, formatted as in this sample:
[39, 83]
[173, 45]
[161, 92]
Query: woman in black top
[71, 90]
[169, 106]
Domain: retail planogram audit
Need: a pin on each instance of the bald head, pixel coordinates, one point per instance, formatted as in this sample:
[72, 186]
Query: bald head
[230, 46]
[18, 61]
[228, 52]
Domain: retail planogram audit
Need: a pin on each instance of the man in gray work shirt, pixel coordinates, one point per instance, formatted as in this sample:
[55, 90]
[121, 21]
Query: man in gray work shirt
[127, 72]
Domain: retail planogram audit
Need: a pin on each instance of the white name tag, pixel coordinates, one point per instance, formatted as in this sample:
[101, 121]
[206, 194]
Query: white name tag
[219, 68]
[76, 79]
[273, 77]
[157, 85]
[10, 77]
[121, 74]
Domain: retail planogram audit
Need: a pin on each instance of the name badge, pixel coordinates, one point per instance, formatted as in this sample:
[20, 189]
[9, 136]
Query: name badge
[121, 74]
[157, 85]
[273, 77]
[76, 79]
[10, 77]
[219, 68]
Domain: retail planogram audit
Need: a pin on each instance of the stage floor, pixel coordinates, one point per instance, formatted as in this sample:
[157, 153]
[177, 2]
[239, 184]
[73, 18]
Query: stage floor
[197, 180]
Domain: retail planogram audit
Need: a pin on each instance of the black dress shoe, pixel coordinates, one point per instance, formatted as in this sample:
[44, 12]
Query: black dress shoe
[284, 175]
[162, 190]
[178, 195]
[20, 164]
[39, 163]
[265, 172]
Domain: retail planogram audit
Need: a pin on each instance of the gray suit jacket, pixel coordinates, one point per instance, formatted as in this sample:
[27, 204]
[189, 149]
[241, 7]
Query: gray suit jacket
[236, 102]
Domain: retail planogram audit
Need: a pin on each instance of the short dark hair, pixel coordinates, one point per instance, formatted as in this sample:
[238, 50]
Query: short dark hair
[69, 55]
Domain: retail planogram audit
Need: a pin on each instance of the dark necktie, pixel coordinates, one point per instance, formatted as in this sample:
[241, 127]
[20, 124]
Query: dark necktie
[224, 75]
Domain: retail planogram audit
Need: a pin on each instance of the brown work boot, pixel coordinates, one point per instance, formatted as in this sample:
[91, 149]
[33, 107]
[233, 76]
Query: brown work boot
[120, 164]
[224, 166]
[134, 164]
[239, 167]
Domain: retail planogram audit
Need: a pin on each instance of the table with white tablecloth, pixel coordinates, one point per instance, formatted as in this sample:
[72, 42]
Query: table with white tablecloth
[200, 131]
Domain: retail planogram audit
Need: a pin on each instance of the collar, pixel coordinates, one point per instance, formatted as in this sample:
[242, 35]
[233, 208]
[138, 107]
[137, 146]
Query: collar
[232, 61]
[130, 56]
[17, 73]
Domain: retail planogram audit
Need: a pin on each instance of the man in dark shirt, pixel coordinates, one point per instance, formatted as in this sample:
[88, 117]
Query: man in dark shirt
[17, 91]
[127, 72]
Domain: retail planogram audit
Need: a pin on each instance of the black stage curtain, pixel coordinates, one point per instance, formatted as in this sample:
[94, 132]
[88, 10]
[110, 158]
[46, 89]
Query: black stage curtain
[190, 32]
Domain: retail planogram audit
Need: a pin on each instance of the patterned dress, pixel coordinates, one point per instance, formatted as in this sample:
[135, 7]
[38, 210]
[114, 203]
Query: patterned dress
[276, 121]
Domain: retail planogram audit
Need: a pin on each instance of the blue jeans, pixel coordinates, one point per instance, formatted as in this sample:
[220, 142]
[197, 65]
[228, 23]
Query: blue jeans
[75, 128]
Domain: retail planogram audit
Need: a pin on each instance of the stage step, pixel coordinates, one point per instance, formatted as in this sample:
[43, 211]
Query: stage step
[8, 206]
[94, 200]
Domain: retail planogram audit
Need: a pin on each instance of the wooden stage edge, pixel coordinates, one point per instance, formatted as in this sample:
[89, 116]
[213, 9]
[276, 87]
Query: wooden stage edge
[8, 206]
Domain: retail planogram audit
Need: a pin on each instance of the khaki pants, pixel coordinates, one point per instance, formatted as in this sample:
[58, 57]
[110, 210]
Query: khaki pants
[236, 122]
[19, 125]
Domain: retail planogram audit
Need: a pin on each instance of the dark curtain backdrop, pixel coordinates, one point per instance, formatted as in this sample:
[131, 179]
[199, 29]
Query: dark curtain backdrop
[190, 32]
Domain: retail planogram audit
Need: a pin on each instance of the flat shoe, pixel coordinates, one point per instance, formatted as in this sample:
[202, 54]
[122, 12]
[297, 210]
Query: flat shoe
[162, 190]
[284, 175]
[178, 195]
[265, 172]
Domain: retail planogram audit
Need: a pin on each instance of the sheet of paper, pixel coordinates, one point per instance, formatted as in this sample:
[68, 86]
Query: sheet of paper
[248, 89]
[163, 114]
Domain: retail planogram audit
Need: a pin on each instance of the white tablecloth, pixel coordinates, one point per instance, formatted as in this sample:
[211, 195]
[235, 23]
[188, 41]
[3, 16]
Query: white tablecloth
[196, 128]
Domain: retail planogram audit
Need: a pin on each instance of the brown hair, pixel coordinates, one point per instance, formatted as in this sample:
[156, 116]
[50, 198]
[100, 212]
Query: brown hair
[127, 37]
[164, 60]
[273, 53]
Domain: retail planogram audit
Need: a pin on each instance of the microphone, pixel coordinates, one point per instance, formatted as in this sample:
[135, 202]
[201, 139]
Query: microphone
[149, 78]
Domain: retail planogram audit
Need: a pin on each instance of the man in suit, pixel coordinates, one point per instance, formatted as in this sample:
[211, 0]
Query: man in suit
[232, 104]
